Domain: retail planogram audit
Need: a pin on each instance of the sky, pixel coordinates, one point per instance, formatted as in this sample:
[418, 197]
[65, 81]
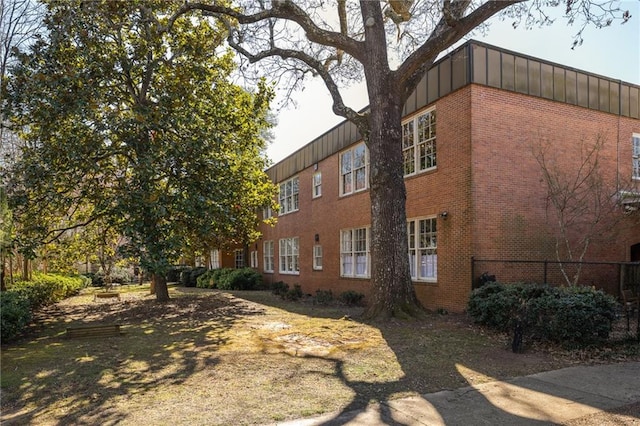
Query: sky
[612, 52]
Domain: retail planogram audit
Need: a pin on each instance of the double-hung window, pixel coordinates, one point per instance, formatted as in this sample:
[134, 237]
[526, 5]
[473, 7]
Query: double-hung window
[214, 259]
[353, 170]
[254, 259]
[423, 256]
[289, 252]
[419, 143]
[354, 252]
[267, 212]
[317, 257]
[288, 196]
[635, 155]
[317, 184]
[239, 258]
[267, 254]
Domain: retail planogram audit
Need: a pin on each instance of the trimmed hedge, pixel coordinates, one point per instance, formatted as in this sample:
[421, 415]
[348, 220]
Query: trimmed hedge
[46, 289]
[571, 316]
[24, 297]
[237, 279]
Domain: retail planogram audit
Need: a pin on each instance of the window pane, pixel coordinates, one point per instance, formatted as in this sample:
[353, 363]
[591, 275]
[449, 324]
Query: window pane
[359, 156]
[361, 181]
[346, 162]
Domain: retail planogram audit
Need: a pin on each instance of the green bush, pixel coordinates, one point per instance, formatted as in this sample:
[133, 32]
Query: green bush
[15, 314]
[23, 297]
[45, 289]
[194, 274]
[323, 297]
[279, 288]
[207, 280]
[571, 316]
[173, 274]
[351, 298]
[238, 279]
[294, 294]
[185, 275]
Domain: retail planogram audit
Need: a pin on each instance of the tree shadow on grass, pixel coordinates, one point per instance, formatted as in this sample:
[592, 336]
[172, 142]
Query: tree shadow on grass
[163, 345]
[432, 353]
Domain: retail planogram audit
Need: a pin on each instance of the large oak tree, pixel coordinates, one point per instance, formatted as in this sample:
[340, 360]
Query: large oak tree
[136, 124]
[391, 44]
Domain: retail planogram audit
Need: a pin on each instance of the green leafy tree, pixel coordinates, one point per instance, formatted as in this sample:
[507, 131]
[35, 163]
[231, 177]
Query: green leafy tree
[390, 44]
[134, 122]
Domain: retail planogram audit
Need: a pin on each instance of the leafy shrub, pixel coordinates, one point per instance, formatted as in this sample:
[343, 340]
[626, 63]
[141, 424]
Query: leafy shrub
[323, 297]
[351, 298]
[238, 279]
[294, 294]
[15, 314]
[572, 316]
[173, 274]
[279, 288]
[96, 280]
[194, 274]
[45, 289]
[207, 280]
[185, 275]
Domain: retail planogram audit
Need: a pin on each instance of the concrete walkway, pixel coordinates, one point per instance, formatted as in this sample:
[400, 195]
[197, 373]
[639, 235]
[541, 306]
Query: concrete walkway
[575, 395]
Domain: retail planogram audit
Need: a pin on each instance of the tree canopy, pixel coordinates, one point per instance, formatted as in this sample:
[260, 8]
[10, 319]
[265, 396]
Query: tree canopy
[137, 124]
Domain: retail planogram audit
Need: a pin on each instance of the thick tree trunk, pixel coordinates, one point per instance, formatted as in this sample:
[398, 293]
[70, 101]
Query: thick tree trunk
[159, 283]
[392, 292]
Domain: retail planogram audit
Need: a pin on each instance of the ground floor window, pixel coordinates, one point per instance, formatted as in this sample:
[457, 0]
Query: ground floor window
[289, 256]
[423, 256]
[254, 258]
[239, 257]
[214, 259]
[267, 254]
[317, 257]
[354, 252]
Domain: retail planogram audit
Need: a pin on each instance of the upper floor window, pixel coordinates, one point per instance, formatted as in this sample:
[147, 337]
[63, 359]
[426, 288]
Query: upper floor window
[267, 212]
[289, 256]
[353, 170]
[317, 184]
[354, 252]
[419, 143]
[423, 257]
[288, 197]
[267, 254]
[635, 155]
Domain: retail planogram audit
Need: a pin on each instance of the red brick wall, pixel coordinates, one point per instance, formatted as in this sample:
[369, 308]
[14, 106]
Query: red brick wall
[487, 180]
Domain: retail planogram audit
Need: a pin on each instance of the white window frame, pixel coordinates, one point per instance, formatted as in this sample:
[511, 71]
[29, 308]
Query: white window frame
[355, 256]
[254, 259]
[635, 156]
[419, 151]
[267, 212]
[288, 196]
[354, 169]
[214, 259]
[317, 184]
[317, 257]
[268, 255]
[238, 255]
[289, 256]
[422, 234]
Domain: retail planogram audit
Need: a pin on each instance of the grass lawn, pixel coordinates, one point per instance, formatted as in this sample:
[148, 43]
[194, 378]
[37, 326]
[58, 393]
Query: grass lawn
[219, 358]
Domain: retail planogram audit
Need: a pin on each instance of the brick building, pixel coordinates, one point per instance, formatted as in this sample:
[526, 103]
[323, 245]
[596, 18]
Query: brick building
[474, 186]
